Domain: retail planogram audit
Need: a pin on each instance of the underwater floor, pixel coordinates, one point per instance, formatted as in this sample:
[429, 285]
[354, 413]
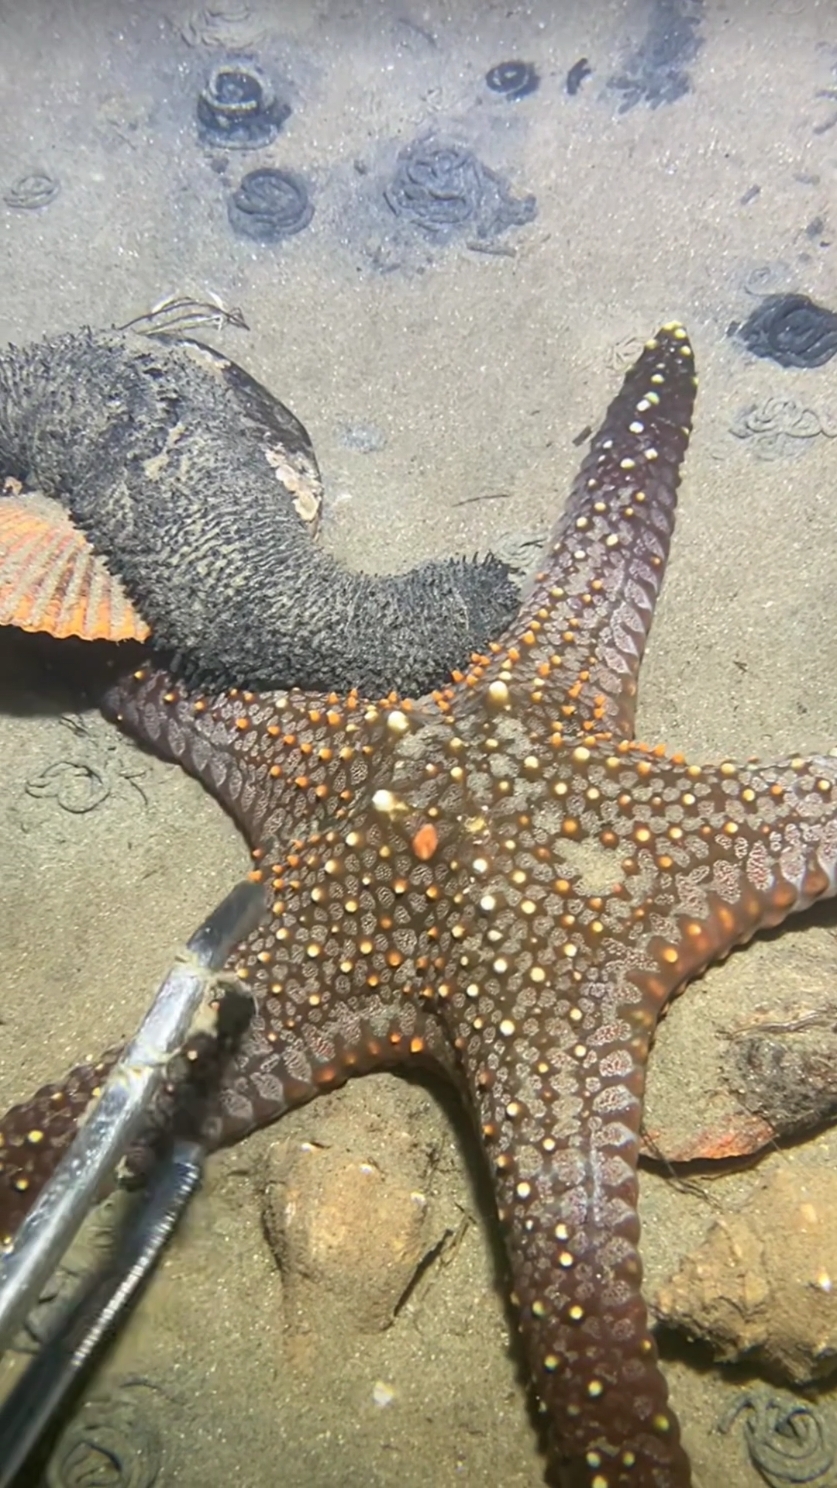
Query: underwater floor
[652, 159]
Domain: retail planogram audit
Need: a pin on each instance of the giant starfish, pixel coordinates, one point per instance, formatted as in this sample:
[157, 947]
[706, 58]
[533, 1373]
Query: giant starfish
[498, 882]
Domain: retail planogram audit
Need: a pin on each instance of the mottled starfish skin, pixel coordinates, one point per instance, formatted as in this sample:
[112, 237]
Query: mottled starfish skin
[497, 882]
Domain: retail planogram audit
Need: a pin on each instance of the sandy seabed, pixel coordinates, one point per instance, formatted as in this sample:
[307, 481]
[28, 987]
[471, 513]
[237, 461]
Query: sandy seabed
[443, 383]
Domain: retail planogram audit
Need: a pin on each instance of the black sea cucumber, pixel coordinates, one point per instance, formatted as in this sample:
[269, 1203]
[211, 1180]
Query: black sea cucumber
[185, 473]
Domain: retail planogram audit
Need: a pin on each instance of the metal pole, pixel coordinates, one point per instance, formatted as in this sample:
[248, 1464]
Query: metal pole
[93, 1315]
[58, 1213]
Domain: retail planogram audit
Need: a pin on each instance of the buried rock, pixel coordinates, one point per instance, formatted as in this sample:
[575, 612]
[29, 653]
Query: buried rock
[352, 1226]
[761, 1285]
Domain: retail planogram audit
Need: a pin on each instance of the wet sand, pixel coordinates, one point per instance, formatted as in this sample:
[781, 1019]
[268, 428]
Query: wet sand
[470, 373]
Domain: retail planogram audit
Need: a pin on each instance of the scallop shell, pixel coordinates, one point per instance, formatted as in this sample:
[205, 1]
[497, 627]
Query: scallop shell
[50, 578]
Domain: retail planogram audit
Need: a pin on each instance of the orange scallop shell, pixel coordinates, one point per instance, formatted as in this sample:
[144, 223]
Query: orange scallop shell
[50, 578]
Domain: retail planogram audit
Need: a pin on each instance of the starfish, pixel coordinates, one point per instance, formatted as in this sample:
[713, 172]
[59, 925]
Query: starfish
[498, 881]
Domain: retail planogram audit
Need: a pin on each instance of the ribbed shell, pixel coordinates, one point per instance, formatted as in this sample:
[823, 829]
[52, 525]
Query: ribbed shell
[51, 580]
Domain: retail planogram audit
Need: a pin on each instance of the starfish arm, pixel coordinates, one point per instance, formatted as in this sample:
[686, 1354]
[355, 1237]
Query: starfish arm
[338, 976]
[567, 1199]
[787, 815]
[273, 760]
[716, 854]
[581, 632]
[35, 1134]
[719, 853]
[306, 1037]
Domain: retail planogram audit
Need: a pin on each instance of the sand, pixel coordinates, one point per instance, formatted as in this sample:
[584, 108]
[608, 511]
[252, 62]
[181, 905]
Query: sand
[443, 386]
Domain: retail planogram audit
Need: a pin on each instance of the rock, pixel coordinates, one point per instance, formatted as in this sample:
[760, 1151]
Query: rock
[763, 1284]
[350, 1228]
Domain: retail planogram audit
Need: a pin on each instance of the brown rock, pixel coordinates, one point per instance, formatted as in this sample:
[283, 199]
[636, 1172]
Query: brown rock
[350, 1229]
[763, 1285]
